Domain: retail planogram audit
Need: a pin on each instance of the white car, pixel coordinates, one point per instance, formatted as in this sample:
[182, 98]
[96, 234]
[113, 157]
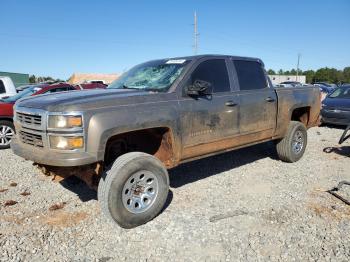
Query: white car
[7, 88]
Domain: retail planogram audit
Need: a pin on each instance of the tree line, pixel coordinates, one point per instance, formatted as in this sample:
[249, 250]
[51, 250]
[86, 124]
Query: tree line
[325, 74]
[39, 79]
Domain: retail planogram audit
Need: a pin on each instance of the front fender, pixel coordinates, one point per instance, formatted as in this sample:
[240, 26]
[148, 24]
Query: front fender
[104, 124]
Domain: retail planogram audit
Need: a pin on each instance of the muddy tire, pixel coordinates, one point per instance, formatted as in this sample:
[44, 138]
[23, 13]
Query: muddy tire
[134, 190]
[292, 147]
[7, 131]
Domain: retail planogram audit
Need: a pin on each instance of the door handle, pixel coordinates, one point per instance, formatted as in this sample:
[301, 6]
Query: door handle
[230, 103]
[269, 99]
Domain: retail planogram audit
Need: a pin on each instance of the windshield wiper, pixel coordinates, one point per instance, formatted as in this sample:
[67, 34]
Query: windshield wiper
[128, 87]
[142, 89]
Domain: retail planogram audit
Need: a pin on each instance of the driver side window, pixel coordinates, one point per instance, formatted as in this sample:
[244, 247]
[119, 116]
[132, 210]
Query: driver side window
[215, 72]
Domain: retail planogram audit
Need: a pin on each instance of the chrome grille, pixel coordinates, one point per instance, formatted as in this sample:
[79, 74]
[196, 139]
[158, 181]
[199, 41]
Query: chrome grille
[31, 139]
[28, 119]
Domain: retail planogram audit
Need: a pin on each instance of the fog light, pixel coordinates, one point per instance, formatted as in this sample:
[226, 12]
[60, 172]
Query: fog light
[66, 142]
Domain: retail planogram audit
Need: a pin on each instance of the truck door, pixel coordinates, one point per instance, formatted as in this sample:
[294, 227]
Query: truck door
[207, 119]
[257, 101]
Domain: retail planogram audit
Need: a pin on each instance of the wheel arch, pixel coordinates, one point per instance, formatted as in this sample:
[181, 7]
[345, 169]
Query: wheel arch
[301, 114]
[157, 141]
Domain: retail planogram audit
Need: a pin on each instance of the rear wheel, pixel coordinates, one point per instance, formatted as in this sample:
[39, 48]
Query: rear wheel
[292, 147]
[134, 190]
[7, 131]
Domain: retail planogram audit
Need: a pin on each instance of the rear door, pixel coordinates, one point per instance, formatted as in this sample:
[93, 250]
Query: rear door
[257, 101]
[207, 120]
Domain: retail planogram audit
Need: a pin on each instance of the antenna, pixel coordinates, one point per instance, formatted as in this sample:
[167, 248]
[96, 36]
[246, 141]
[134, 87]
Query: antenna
[299, 55]
[195, 34]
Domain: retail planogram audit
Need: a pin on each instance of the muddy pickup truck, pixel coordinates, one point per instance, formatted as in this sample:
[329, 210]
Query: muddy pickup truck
[160, 114]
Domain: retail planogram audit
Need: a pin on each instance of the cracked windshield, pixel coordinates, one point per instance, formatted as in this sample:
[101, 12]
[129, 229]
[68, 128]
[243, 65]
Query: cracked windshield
[155, 76]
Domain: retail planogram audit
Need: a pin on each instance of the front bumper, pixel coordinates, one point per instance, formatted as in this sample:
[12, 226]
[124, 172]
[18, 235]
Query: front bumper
[32, 141]
[49, 157]
[335, 117]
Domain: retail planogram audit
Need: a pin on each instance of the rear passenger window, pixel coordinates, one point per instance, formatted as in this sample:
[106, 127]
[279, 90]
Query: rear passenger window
[2, 87]
[215, 72]
[250, 75]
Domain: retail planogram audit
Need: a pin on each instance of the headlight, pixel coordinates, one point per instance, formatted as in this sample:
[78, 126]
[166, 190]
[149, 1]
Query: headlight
[65, 121]
[66, 142]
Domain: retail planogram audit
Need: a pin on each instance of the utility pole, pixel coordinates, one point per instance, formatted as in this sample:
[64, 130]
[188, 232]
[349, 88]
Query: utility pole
[299, 55]
[195, 34]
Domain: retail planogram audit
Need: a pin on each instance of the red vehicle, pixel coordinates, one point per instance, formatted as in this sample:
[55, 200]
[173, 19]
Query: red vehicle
[90, 86]
[7, 129]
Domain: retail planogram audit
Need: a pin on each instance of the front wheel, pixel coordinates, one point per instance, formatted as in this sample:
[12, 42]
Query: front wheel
[7, 131]
[134, 190]
[292, 147]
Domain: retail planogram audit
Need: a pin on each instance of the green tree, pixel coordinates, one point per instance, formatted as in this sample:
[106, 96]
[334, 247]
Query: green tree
[310, 76]
[326, 74]
[32, 79]
[293, 72]
[346, 74]
[280, 72]
[271, 72]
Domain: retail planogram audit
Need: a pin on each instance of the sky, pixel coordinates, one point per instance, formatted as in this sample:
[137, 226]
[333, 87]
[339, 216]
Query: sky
[58, 38]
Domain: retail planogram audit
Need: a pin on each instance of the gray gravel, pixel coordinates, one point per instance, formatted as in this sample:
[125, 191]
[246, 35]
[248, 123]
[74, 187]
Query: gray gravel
[244, 205]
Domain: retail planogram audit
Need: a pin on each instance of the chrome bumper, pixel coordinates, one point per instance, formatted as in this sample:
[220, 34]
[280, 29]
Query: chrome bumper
[32, 141]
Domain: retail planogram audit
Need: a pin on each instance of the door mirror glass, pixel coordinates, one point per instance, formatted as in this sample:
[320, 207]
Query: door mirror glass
[199, 87]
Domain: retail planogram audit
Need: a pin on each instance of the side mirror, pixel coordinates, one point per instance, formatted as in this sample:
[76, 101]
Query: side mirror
[199, 87]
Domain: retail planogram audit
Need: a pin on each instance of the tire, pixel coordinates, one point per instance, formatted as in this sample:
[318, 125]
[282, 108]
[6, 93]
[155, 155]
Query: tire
[7, 131]
[134, 190]
[292, 147]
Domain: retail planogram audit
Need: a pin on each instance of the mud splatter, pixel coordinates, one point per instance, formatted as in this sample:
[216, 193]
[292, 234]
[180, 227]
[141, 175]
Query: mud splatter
[10, 203]
[57, 206]
[64, 219]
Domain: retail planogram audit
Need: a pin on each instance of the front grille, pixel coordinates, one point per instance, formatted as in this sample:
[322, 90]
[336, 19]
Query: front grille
[31, 139]
[28, 119]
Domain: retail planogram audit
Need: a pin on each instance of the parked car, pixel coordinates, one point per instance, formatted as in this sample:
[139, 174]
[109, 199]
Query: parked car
[24, 87]
[290, 83]
[7, 88]
[7, 129]
[325, 84]
[156, 116]
[284, 85]
[336, 107]
[91, 85]
[325, 91]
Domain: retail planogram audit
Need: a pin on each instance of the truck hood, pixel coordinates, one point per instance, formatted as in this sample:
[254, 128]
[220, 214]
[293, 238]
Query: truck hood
[85, 99]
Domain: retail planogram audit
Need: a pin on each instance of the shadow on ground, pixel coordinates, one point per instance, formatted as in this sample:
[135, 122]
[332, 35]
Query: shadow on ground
[79, 187]
[341, 150]
[206, 167]
[192, 171]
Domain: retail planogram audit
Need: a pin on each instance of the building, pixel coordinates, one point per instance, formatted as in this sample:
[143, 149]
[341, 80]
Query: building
[78, 78]
[276, 79]
[17, 78]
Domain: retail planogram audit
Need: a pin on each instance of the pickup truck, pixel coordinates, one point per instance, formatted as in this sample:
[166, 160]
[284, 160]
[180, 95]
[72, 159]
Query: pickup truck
[159, 114]
[7, 88]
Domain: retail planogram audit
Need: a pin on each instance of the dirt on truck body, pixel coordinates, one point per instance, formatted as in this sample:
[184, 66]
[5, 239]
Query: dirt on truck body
[156, 116]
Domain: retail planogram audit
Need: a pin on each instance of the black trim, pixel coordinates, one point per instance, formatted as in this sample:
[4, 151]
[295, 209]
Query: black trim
[6, 118]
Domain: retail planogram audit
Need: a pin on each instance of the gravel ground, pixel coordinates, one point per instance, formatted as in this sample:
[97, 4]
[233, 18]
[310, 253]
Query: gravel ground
[245, 205]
